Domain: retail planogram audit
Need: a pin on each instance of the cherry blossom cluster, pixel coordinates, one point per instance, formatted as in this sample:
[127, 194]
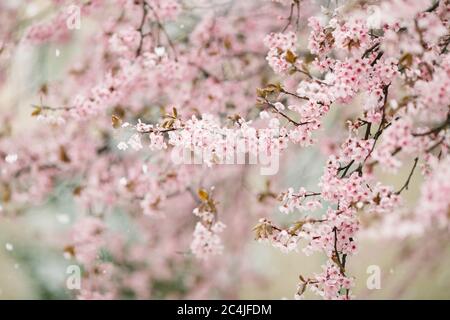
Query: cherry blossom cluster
[160, 84]
[206, 240]
[328, 284]
[386, 129]
[280, 56]
[209, 141]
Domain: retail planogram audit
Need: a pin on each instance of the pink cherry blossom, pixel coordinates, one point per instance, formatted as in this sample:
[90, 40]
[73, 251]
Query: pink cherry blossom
[152, 130]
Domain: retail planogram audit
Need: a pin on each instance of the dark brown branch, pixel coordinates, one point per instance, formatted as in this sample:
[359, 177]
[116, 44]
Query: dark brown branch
[294, 95]
[310, 194]
[367, 134]
[336, 252]
[285, 115]
[346, 168]
[434, 146]
[141, 28]
[433, 7]
[289, 18]
[52, 108]
[157, 130]
[378, 57]
[406, 185]
[371, 49]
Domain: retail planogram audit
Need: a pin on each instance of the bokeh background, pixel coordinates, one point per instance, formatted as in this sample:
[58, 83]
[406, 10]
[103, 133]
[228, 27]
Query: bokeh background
[32, 265]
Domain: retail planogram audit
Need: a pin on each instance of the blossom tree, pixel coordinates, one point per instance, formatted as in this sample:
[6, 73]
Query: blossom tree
[153, 115]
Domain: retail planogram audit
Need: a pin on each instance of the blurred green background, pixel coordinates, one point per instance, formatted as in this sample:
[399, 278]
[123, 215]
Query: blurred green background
[32, 266]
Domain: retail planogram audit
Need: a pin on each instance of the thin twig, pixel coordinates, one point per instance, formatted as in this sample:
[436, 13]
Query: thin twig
[285, 115]
[141, 28]
[406, 185]
[161, 27]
